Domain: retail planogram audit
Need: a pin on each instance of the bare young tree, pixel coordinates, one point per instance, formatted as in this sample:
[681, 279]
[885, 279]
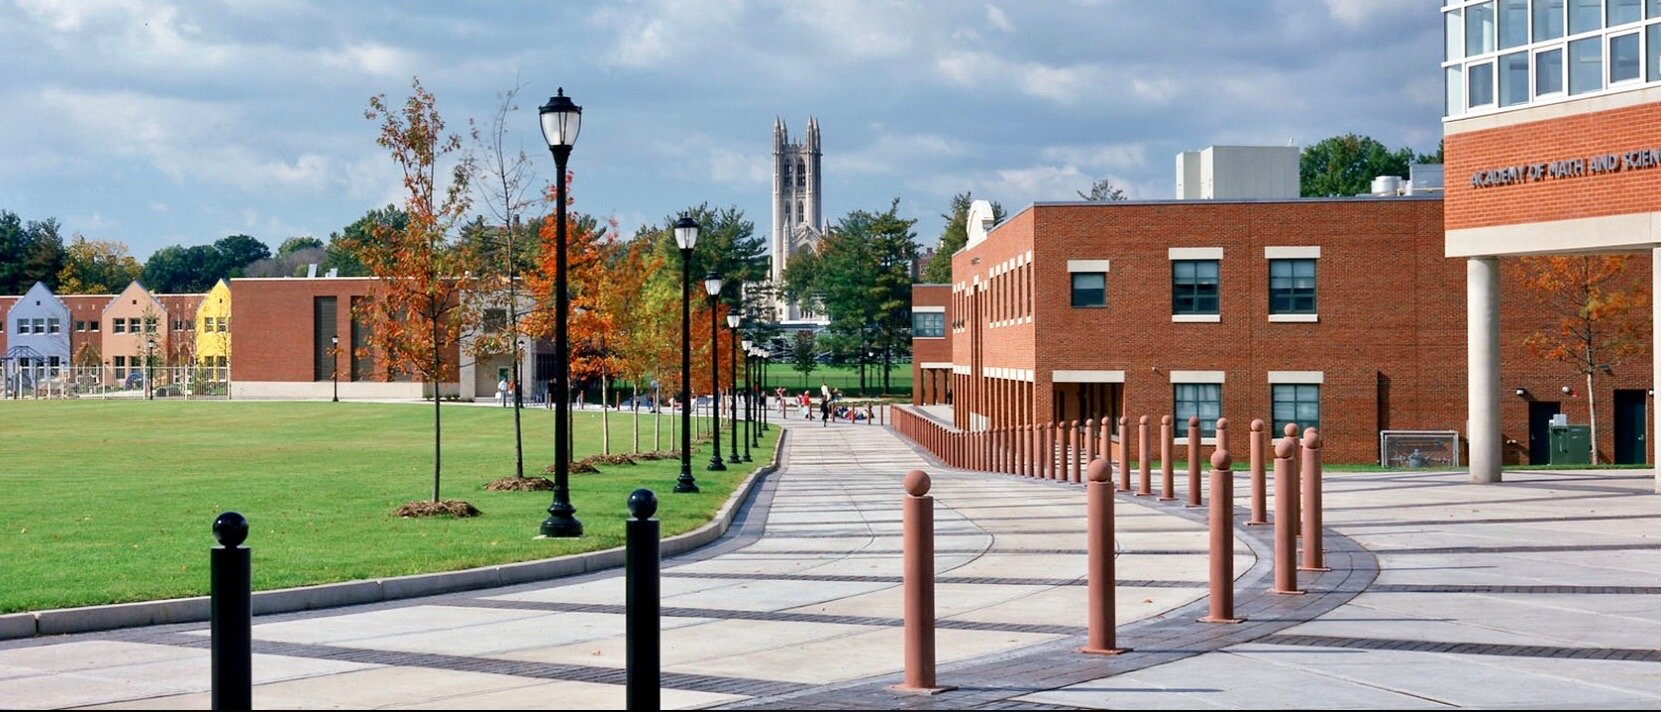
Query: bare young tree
[1103, 190]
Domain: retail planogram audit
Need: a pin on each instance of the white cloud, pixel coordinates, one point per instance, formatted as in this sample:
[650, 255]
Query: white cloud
[1358, 13]
[652, 33]
[1065, 85]
[372, 58]
[998, 20]
[893, 153]
[1100, 156]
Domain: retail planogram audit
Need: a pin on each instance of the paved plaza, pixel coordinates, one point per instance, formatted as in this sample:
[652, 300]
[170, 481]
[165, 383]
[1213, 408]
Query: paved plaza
[1537, 592]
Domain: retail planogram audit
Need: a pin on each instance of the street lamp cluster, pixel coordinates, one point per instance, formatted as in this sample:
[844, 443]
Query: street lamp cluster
[561, 119]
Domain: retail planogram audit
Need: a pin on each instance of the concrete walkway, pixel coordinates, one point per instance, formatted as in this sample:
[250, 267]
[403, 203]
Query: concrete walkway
[804, 594]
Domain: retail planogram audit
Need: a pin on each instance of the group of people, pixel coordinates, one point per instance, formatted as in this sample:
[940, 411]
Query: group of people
[830, 407]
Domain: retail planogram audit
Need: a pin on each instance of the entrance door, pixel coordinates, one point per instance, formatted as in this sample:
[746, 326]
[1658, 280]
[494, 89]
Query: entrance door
[1539, 430]
[1630, 426]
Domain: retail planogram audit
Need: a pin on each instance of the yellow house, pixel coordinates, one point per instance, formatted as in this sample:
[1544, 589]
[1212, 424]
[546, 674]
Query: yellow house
[213, 332]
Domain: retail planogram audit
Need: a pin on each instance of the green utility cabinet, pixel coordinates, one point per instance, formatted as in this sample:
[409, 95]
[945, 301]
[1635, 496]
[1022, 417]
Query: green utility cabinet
[1571, 444]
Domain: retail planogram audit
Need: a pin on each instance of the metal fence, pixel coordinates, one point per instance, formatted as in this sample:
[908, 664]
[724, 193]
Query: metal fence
[156, 382]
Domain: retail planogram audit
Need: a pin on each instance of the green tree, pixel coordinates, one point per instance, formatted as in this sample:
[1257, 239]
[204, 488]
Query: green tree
[953, 237]
[295, 244]
[29, 252]
[338, 254]
[96, 267]
[804, 356]
[176, 270]
[237, 252]
[1346, 165]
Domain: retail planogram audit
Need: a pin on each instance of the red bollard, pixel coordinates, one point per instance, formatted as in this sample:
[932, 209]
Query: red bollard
[1222, 538]
[1286, 524]
[1145, 486]
[1069, 450]
[1089, 446]
[1259, 506]
[1291, 431]
[1167, 477]
[918, 584]
[1080, 435]
[1099, 548]
[1124, 454]
[1194, 461]
[1312, 502]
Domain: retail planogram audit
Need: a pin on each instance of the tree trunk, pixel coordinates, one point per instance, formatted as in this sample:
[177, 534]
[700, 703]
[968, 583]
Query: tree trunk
[605, 419]
[437, 423]
[1592, 415]
[634, 399]
[657, 421]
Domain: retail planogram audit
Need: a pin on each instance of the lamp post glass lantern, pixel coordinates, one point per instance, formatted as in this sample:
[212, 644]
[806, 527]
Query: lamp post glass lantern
[732, 376]
[712, 285]
[686, 238]
[561, 120]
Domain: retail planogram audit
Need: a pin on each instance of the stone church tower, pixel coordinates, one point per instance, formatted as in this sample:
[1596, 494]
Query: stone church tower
[797, 217]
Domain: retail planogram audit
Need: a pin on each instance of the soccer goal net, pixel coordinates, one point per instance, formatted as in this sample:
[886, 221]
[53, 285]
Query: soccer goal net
[1418, 449]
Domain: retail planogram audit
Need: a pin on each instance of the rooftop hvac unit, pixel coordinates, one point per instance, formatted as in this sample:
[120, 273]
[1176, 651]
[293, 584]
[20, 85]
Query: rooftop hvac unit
[1387, 185]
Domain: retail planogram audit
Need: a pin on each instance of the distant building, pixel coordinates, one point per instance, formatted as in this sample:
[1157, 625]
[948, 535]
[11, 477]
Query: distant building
[1238, 173]
[798, 218]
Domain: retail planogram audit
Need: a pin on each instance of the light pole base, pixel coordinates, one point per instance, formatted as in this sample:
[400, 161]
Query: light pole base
[567, 527]
[685, 484]
[716, 465]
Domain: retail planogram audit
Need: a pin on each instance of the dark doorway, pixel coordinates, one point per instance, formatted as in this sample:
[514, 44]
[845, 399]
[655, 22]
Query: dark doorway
[1630, 424]
[1539, 430]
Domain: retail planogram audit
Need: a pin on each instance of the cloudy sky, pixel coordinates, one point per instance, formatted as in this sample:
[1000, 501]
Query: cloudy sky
[159, 123]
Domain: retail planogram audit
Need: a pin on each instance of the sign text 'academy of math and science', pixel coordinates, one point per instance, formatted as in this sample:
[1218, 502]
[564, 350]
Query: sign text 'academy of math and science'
[1567, 168]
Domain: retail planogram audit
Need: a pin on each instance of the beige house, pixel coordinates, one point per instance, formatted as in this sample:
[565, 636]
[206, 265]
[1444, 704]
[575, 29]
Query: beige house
[135, 331]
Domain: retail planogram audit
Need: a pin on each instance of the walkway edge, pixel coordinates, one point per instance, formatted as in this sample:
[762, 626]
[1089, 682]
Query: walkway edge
[58, 621]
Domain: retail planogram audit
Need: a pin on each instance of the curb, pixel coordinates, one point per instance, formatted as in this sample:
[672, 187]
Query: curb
[85, 619]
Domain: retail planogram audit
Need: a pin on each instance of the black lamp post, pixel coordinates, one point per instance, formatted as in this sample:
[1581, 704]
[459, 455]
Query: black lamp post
[686, 237]
[750, 396]
[766, 358]
[712, 285]
[334, 365]
[561, 119]
[732, 377]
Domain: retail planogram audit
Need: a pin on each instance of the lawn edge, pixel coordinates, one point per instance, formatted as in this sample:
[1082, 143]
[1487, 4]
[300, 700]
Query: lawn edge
[85, 619]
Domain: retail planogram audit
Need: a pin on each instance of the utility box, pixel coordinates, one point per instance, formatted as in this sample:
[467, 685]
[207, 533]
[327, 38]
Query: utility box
[1571, 444]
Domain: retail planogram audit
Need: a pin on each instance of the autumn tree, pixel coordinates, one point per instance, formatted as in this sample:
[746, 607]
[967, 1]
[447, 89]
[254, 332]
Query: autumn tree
[1596, 312]
[96, 267]
[415, 306]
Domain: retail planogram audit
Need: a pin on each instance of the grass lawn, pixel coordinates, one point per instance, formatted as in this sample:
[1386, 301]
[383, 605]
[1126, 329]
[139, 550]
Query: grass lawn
[112, 501]
[843, 377]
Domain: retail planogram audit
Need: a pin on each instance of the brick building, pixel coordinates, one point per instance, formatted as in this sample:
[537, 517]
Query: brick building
[1552, 131]
[1343, 313]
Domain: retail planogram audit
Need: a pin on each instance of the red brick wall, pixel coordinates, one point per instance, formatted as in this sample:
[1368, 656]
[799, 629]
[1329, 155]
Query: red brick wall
[271, 327]
[1573, 137]
[929, 350]
[1390, 340]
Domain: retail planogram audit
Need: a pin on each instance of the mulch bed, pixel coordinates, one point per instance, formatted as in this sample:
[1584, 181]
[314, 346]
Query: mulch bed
[445, 508]
[520, 484]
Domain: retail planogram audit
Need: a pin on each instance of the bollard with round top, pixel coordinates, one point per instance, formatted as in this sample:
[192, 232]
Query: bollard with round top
[1089, 446]
[1099, 548]
[1290, 432]
[1311, 472]
[1167, 476]
[917, 524]
[1124, 454]
[1144, 485]
[1221, 609]
[231, 615]
[1286, 524]
[1194, 461]
[1259, 505]
[642, 598]
[1079, 433]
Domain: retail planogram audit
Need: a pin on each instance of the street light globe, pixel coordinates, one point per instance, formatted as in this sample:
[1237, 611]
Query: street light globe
[686, 232]
[732, 320]
[334, 341]
[712, 284]
[747, 344]
[561, 120]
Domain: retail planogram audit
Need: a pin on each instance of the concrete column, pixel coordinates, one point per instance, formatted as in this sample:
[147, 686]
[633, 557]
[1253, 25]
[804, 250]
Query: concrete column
[1482, 353]
[1655, 351]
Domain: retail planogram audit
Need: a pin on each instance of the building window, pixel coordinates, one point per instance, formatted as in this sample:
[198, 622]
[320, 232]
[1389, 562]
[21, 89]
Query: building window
[1548, 72]
[928, 325]
[1198, 399]
[149, 325]
[22, 326]
[53, 326]
[1454, 35]
[54, 364]
[120, 367]
[1479, 29]
[1623, 57]
[40, 325]
[1514, 79]
[1548, 19]
[1585, 16]
[1481, 88]
[1292, 286]
[1624, 11]
[92, 326]
[1089, 289]
[495, 320]
[1513, 23]
[1194, 287]
[1585, 65]
[1296, 403]
[1652, 47]
[322, 328]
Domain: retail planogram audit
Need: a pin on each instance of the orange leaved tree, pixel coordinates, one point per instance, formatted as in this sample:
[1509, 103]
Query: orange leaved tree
[415, 309]
[1596, 312]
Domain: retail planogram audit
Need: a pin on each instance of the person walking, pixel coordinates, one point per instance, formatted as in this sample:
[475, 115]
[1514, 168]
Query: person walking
[824, 404]
[502, 392]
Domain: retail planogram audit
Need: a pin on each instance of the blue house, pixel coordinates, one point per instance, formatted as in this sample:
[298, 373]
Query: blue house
[37, 342]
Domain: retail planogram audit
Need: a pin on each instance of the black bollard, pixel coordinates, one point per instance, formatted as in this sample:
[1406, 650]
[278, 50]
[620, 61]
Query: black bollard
[643, 653]
[231, 615]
